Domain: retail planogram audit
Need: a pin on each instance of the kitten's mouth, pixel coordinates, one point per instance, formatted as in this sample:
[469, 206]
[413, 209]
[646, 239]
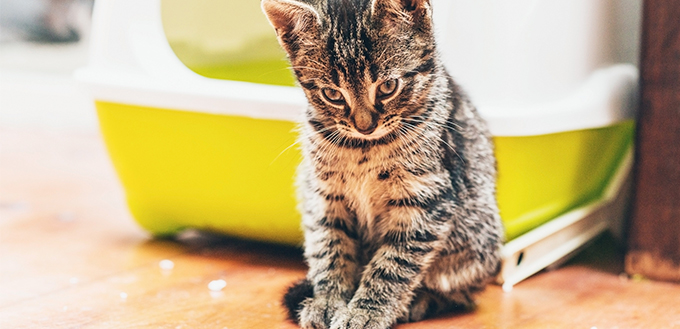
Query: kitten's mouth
[372, 133]
[367, 131]
[376, 133]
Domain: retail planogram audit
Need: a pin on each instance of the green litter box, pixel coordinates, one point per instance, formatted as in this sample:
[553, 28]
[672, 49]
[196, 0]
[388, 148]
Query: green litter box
[201, 131]
[178, 171]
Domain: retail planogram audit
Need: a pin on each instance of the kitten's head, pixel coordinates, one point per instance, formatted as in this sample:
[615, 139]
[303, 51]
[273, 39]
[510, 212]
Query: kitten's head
[365, 65]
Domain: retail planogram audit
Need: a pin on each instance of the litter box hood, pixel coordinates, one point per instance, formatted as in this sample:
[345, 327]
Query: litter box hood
[131, 52]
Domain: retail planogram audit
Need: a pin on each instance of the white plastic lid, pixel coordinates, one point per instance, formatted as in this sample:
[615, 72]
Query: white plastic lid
[132, 63]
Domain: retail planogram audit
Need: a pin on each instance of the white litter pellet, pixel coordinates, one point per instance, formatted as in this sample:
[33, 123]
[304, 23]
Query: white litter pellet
[123, 295]
[166, 265]
[217, 285]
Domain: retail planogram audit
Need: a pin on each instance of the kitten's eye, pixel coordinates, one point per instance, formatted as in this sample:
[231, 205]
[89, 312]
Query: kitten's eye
[387, 88]
[333, 96]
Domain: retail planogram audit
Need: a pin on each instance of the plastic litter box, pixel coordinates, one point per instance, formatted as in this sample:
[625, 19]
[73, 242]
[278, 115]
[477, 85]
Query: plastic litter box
[199, 121]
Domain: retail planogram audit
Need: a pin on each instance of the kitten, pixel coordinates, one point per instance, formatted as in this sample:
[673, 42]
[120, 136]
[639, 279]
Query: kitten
[397, 181]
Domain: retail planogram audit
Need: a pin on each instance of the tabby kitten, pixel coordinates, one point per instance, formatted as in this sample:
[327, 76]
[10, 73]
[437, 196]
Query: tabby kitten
[397, 181]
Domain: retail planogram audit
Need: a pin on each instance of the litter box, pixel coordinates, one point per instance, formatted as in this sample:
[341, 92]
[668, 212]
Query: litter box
[199, 122]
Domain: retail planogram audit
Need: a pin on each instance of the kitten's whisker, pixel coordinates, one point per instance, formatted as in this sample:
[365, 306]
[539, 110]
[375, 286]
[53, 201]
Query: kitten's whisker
[323, 143]
[328, 142]
[446, 123]
[284, 150]
[406, 129]
[343, 140]
[450, 147]
[315, 62]
[324, 130]
[443, 125]
[403, 130]
[333, 141]
[439, 138]
[308, 68]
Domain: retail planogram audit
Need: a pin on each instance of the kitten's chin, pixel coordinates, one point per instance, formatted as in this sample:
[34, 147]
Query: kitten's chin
[378, 133]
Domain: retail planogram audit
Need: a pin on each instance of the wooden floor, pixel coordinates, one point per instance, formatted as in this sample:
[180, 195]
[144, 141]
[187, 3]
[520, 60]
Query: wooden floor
[72, 257]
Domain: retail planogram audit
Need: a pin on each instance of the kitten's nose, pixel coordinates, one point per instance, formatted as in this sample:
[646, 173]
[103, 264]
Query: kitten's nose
[365, 122]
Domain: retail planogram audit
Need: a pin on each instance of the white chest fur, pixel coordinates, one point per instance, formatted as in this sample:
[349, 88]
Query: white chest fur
[364, 192]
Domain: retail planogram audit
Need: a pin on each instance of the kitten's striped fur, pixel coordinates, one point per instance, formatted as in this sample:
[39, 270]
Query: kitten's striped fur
[397, 189]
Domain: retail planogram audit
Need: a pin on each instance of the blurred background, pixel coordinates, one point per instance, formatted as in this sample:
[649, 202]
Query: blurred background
[52, 21]
[42, 42]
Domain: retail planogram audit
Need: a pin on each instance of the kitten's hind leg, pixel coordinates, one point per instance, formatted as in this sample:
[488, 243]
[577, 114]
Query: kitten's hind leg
[451, 284]
[428, 303]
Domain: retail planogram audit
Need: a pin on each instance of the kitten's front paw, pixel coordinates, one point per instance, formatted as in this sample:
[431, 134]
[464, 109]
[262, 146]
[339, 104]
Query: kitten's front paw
[317, 313]
[356, 318]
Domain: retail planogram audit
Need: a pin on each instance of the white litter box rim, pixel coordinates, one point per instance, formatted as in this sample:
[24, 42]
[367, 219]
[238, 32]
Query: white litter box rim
[155, 77]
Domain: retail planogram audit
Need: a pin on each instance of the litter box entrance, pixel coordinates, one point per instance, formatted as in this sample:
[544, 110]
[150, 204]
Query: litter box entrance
[229, 40]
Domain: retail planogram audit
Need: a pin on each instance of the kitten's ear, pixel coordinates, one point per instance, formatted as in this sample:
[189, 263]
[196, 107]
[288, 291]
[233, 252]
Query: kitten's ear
[405, 11]
[293, 21]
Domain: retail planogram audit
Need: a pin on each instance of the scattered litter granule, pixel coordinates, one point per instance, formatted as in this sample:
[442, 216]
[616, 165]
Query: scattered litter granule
[166, 265]
[123, 295]
[217, 285]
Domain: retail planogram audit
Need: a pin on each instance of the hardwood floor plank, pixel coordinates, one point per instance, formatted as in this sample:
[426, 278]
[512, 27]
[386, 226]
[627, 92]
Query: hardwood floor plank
[63, 216]
[255, 276]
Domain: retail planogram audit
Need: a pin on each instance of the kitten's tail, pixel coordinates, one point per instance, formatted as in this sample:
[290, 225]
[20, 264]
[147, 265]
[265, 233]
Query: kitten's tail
[294, 297]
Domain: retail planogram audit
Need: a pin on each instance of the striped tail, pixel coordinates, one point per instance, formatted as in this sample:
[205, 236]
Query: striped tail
[294, 297]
